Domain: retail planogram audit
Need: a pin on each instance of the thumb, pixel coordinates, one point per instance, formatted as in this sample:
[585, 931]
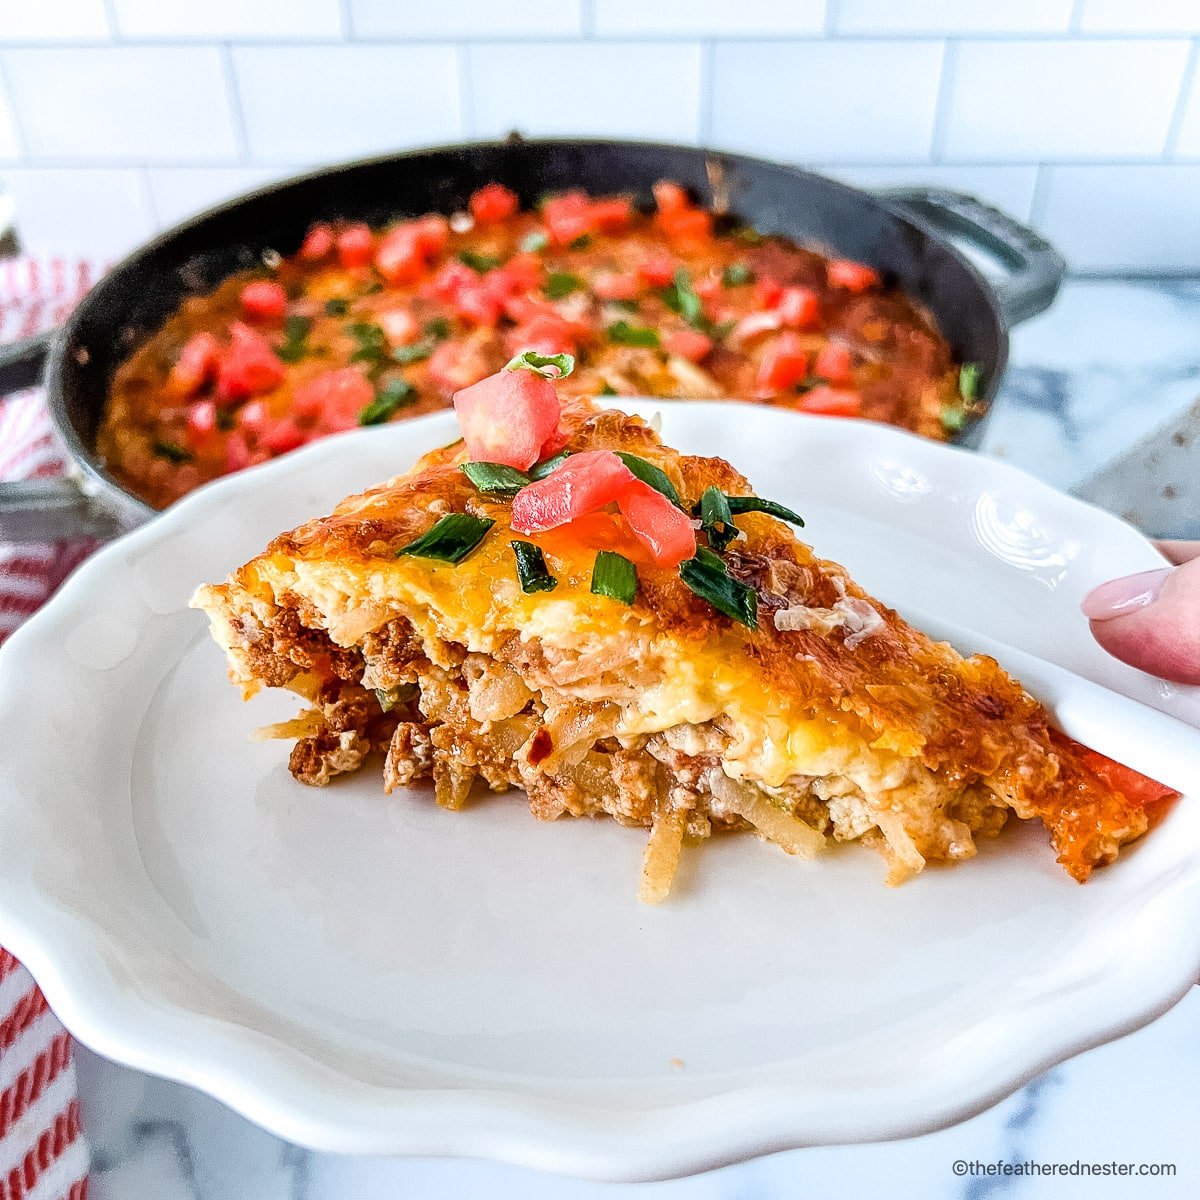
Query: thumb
[1151, 620]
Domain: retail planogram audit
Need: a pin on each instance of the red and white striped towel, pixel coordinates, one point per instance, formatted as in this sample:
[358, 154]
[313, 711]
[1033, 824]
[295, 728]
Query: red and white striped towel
[43, 1153]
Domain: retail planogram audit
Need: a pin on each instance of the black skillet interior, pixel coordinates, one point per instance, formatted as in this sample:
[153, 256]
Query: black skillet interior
[135, 298]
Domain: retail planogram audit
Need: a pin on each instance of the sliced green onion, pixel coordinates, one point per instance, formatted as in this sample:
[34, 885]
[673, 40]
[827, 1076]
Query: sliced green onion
[629, 306]
[495, 479]
[438, 327]
[531, 568]
[745, 504]
[337, 307]
[531, 360]
[748, 236]
[716, 518]
[737, 274]
[614, 576]
[968, 382]
[709, 578]
[607, 389]
[481, 263]
[562, 283]
[389, 400]
[540, 470]
[531, 243]
[416, 352]
[954, 416]
[809, 382]
[226, 420]
[371, 342]
[173, 451]
[402, 693]
[647, 472]
[450, 540]
[582, 242]
[683, 297]
[295, 334]
[625, 334]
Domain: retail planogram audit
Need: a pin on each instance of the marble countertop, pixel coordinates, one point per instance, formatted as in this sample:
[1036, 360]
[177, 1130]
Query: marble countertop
[1109, 362]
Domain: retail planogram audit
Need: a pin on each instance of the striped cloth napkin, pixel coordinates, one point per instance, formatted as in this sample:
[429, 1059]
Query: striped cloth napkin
[43, 1153]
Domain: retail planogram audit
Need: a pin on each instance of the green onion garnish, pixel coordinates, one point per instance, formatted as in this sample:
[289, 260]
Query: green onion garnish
[495, 479]
[745, 504]
[737, 274]
[531, 360]
[371, 342]
[226, 419]
[709, 577]
[389, 698]
[748, 236]
[450, 540]
[531, 568]
[681, 297]
[482, 263]
[295, 333]
[337, 307]
[968, 382]
[531, 243]
[562, 283]
[625, 334]
[954, 416]
[540, 470]
[389, 400]
[173, 451]
[582, 242]
[716, 518]
[416, 352]
[647, 472]
[614, 576]
[809, 382]
[606, 389]
[438, 327]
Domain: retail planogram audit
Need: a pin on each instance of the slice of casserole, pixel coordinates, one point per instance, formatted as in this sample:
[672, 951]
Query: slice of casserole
[690, 671]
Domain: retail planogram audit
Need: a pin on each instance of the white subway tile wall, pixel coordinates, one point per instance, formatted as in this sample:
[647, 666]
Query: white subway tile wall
[118, 117]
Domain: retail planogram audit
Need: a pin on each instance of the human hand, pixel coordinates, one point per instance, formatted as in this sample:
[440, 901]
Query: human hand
[1151, 620]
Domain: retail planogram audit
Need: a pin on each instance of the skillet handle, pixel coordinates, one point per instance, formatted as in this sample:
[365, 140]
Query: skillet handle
[1035, 268]
[21, 363]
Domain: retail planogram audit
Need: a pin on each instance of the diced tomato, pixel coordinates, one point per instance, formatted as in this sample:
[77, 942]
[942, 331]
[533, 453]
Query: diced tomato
[707, 287]
[616, 285]
[248, 365]
[263, 300]
[831, 402]
[253, 417]
[767, 291]
[583, 484]
[493, 203]
[508, 417]
[833, 363]
[318, 242]
[524, 272]
[1135, 787]
[283, 435]
[547, 333]
[657, 270]
[450, 278]
[663, 528]
[853, 276]
[237, 452]
[613, 215]
[201, 424]
[784, 362]
[399, 326]
[567, 216]
[475, 303]
[688, 343]
[432, 234]
[398, 256]
[197, 363]
[799, 307]
[457, 364]
[753, 325]
[670, 197]
[332, 400]
[595, 531]
[355, 245]
[694, 225]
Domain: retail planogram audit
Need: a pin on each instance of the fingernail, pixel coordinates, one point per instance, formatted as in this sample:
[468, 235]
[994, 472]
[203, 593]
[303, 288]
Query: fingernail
[1120, 597]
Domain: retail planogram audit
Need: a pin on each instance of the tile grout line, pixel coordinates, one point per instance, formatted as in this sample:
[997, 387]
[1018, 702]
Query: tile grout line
[941, 104]
[1186, 82]
[234, 97]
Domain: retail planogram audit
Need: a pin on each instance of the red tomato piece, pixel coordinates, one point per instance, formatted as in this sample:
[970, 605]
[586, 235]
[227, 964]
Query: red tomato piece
[318, 242]
[456, 364]
[831, 402]
[332, 400]
[616, 285]
[398, 256]
[201, 424]
[833, 363]
[693, 224]
[474, 303]
[197, 363]
[355, 245]
[767, 291]
[263, 300]
[283, 435]
[1135, 787]
[253, 417]
[753, 325]
[784, 363]
[524, 272]
[799, 307]
[853, 276]
[595, 531]
[493, 203]
[583, 484]
[237, 452]
[613, 215]
[450, 278]
[664, 529]
[658, 270]
[399, 326]
[670, 197]
[508, 417]
[248, 365]
[707, 287]
[432, 234]
[567, 216]
[688, 343]
[547, 333]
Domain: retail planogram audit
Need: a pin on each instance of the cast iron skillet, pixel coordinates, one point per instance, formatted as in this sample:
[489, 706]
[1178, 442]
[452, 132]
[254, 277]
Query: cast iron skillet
[903, 234]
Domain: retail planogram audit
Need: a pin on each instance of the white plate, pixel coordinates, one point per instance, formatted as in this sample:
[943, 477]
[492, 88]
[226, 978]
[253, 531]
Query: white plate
[371, 974]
